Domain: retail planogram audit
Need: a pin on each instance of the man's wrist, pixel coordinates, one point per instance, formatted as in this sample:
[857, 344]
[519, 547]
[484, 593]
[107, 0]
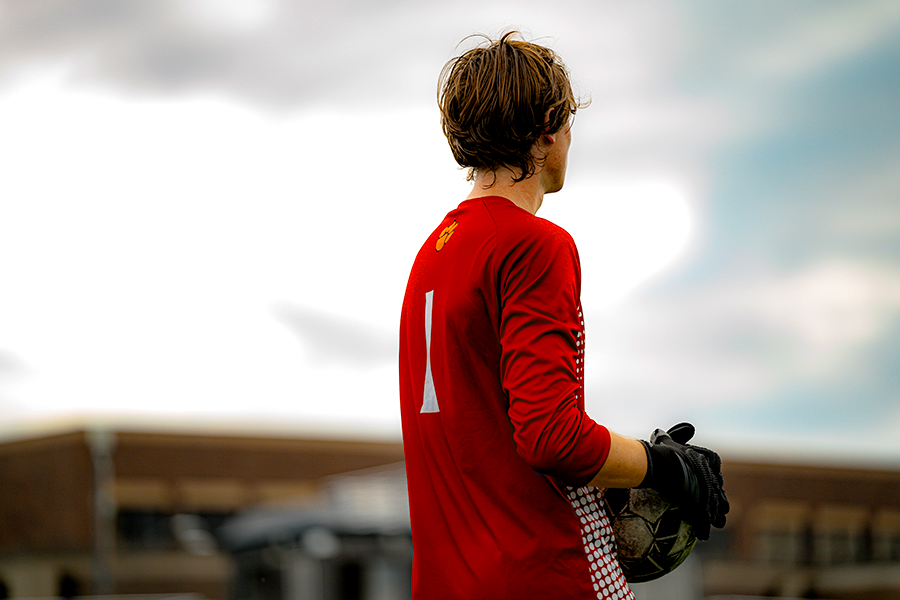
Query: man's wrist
[648, 477]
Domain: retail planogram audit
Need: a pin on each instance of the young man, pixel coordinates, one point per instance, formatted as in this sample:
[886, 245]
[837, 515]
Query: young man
[505, 469]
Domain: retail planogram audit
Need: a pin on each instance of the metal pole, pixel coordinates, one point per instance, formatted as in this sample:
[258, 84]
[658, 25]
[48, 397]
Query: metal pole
[101, 444]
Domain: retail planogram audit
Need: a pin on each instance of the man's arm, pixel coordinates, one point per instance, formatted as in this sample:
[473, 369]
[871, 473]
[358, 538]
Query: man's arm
[689, 476]
[626, 465]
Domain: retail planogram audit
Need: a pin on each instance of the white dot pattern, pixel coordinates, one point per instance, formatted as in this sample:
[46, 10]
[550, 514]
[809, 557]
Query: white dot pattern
[579, 356]
[596, 533]
[599, 544]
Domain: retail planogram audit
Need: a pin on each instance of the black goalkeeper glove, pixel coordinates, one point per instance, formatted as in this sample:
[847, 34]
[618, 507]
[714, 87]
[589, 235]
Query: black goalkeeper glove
[717, 503]
[689, 476]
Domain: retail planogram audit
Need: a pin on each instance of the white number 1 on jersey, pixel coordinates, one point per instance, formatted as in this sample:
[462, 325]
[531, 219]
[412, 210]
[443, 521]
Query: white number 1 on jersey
[429, 402]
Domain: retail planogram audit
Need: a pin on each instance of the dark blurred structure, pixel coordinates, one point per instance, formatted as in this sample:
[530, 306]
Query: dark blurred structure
[136, 513]
[354, 544]
[258, 518]
[807, 532]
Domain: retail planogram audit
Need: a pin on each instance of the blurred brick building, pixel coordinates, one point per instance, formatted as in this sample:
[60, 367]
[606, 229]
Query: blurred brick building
[138, 513]
[807, 532]
[134, 513]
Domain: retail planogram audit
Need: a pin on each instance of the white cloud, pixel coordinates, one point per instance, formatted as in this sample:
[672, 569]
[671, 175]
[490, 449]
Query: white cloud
[627, 232]
[829, 37]
[145, 246]
[628, 120]
[759, 344]
[740, 338]
[231, 16]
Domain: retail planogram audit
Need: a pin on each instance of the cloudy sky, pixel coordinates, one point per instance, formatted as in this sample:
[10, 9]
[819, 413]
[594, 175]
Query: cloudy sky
[208, 211]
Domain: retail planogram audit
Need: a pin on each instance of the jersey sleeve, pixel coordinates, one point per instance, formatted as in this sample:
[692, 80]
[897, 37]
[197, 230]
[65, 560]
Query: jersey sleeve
[541, 335]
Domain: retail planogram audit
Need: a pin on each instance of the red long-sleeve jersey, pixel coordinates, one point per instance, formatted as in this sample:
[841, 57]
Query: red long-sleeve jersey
[498, 446]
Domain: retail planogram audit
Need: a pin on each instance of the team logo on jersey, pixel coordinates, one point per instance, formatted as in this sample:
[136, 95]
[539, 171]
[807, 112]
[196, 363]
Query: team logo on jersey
[445, 235]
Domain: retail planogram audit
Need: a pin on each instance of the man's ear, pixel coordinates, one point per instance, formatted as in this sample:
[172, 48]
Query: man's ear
[547, 116]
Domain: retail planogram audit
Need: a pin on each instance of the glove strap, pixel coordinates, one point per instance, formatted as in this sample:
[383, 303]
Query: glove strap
[668, 474]
[648, 478]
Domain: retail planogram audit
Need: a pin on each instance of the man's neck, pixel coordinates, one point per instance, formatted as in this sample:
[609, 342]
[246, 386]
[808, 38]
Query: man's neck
[527, 194]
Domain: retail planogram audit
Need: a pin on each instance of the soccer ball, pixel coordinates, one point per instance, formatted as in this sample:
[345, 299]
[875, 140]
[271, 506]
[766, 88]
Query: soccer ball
[651, 537]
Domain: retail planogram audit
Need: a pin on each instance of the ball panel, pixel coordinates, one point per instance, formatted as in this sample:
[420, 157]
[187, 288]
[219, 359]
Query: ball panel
[633, 536]
[651, 537]
[649, 506]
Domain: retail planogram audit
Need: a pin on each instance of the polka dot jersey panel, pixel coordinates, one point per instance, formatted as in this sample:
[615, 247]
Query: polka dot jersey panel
[599, 544]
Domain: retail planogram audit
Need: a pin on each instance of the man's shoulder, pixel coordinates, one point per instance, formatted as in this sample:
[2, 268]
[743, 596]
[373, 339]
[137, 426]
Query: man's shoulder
[517, 224]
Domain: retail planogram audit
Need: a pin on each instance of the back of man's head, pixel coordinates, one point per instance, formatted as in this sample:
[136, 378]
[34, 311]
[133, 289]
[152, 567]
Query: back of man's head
[498, 98]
